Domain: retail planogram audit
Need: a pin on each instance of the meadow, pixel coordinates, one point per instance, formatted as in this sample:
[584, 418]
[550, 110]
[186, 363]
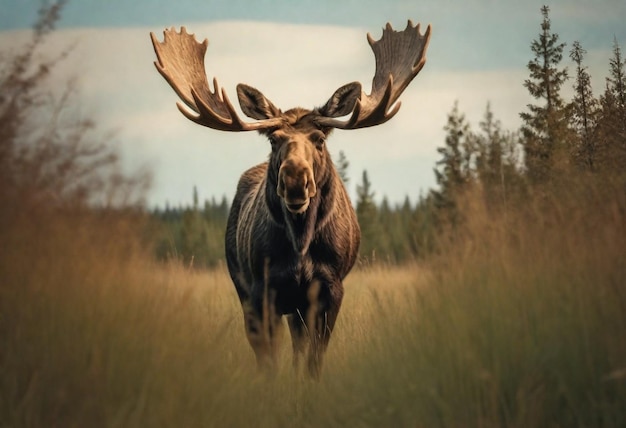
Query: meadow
[521, 324]
[515, 316]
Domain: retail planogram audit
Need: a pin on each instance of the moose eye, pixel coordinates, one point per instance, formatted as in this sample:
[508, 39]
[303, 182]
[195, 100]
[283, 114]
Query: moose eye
[318, 138]
[274, 140]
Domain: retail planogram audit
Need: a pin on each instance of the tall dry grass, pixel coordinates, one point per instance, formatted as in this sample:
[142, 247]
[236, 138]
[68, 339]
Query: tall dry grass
[518, 324]
[528, 309]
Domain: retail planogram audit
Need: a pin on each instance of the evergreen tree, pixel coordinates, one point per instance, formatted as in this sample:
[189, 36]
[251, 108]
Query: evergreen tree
[617, 79]
[223, 210]
[406, 206]
[489, 146]
[396, 244]
[342, 167]
[424, 227]
[612, 121]
[365, 195]
[584, 109]
[545, 126]
[453, 170]
[497, 160]
[490, 158]
[367, 214]
[195, 198]
[403, 231]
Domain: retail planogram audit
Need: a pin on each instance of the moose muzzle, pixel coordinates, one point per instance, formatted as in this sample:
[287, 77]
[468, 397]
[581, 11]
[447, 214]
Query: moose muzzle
[296, 184]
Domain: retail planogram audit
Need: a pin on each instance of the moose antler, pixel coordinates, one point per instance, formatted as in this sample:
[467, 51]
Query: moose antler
[181, 63]
[399, 57]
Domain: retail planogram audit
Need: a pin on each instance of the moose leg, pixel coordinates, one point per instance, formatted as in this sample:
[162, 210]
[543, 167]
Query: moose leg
[324, 304]
[297, 328]
[263, 330]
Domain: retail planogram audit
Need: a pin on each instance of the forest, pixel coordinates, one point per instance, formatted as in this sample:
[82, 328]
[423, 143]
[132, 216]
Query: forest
[496, 299]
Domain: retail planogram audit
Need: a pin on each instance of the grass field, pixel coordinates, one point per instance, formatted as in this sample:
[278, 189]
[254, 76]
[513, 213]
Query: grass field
[523, 325]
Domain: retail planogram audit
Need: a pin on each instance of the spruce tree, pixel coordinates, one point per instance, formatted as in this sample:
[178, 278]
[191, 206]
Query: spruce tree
[612, 121]
[584, 110]
[453, 169]
[489, 147]
[490, 158]
[195, 198]
[423, 227]
[367, 214]
[545, 127]
[617, 79]
[497, 160]
[342, 167]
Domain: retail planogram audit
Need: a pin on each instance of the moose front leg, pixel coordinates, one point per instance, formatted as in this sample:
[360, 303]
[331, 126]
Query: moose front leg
[316, 323]
[298, 331]
[263, 330]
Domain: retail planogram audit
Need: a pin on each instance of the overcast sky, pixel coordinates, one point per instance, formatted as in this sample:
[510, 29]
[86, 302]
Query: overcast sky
[298, 53]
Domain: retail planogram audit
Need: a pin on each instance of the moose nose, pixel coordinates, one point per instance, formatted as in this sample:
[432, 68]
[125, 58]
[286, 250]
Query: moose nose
[295, 181]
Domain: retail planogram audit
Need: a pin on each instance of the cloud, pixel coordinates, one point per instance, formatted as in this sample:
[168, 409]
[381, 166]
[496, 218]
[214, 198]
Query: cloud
[293, 65]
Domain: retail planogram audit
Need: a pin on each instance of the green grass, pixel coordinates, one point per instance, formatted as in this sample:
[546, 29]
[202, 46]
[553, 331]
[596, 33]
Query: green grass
[521, 326]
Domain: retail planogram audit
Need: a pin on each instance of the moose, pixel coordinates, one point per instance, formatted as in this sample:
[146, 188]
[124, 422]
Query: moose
[292, 234]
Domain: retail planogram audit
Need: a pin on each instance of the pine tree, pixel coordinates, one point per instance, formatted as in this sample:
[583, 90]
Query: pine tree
[423, 227]
[545, 128]
[612, 121]
[617, 80]
[453, 170]
[367, 214]
[489, 147]
[497, 160]
[195, 198]
[365, 195]
[404, 233]
[584, 109]
[342, 167]
[490, 159]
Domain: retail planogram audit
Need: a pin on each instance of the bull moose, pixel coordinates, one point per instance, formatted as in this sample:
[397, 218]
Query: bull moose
[292, 234]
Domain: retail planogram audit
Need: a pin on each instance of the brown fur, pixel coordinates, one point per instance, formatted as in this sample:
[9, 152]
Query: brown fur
[286, 263]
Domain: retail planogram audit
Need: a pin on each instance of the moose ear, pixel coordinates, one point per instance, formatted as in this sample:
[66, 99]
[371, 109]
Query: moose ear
[254, 104]
[343, 100]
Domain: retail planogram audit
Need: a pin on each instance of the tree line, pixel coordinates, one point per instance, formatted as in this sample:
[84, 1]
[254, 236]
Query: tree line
[559, 143]
[193, 235]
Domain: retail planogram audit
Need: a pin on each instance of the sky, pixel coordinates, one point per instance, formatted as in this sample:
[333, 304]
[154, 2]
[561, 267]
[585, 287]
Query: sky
[297, 53]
